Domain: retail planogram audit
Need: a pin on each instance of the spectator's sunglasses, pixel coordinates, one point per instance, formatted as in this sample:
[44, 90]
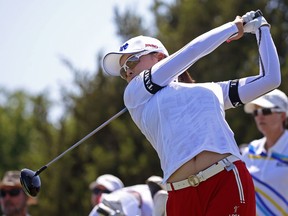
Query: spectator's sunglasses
[265, 111]
[100, 191]
[13, 192]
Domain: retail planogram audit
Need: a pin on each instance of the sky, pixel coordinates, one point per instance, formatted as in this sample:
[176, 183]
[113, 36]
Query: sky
[34, 34]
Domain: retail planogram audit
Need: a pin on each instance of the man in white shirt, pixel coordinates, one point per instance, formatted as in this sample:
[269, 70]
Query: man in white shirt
[159, 195]
[134, 200]
[106, 183]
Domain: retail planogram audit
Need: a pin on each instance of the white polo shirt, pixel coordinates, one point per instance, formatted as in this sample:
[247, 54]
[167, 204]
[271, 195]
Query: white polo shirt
[269, 170]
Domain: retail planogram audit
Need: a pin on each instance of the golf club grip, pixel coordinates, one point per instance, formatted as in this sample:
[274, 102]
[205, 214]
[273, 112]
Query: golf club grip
[258, 13]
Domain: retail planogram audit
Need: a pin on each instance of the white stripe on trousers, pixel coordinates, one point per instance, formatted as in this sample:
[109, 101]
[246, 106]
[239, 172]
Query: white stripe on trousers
[239, 184]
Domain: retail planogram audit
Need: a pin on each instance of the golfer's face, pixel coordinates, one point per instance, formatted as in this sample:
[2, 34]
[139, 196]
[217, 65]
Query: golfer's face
[138, 65]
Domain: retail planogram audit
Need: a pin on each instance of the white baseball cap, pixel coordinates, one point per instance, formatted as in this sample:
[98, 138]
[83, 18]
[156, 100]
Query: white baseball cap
[111, 61]
[109, 181]
[274, 99]
[155, 179]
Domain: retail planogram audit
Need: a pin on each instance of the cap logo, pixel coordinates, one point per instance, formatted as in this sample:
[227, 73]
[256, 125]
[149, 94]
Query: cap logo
[151, 45]
[124, 47]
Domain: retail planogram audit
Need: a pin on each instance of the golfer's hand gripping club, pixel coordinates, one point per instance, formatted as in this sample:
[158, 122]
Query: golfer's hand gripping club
[250, 22]
[253, 21]
[249, 16]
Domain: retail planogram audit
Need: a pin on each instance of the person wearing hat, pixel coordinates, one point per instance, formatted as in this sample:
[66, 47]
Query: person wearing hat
[185, 122]
[134, 200]
[267, 157]
[14, 202]
[159, 195]
[106, 183]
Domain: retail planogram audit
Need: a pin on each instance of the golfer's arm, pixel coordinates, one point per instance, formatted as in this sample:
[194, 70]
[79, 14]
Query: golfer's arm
[269, 76]
[168, 69]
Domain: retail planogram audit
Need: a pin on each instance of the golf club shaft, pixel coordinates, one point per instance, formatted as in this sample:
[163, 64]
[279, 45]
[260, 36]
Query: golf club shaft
[82, 140]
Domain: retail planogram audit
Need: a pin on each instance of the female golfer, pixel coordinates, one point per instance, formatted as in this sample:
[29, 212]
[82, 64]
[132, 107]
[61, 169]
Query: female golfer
[185, 122]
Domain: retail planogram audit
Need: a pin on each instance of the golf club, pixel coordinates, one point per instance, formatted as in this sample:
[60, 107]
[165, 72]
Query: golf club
[30, 180]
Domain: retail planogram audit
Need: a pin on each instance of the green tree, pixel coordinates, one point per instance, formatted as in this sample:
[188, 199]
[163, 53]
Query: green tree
[120, 148]
[22, 118]
[24, 130]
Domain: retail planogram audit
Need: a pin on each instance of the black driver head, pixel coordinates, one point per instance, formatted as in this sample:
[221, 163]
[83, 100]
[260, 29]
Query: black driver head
[30, 182]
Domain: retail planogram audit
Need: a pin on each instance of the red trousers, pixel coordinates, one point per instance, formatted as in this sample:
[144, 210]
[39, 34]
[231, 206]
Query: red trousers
[228, 193]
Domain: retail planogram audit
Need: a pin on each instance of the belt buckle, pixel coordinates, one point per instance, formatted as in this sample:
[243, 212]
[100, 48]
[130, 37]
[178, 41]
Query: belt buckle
[193, 180]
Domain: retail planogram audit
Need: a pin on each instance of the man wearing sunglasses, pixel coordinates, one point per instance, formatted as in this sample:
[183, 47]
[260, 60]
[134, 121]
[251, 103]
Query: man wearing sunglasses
[267, 158]
[104, 184]
[14, 202]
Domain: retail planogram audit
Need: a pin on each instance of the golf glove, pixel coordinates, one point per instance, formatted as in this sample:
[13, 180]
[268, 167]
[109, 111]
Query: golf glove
[251, 24]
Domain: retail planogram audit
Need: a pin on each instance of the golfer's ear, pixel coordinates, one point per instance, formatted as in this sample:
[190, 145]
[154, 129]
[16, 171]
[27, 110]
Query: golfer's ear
[160, 56]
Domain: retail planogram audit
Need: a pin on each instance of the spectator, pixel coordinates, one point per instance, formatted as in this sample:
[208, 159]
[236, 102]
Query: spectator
[266, 158]
[14, 202]
[134, 200]
[104, 184]
[159, 195]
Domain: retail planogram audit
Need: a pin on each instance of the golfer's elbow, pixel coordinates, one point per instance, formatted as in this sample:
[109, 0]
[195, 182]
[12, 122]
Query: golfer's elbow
[274, 81]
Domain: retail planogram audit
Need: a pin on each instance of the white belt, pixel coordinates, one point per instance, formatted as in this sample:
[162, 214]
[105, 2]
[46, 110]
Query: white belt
[195, 180]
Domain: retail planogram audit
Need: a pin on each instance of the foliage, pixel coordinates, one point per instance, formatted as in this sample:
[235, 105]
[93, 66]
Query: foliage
[28, 139]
